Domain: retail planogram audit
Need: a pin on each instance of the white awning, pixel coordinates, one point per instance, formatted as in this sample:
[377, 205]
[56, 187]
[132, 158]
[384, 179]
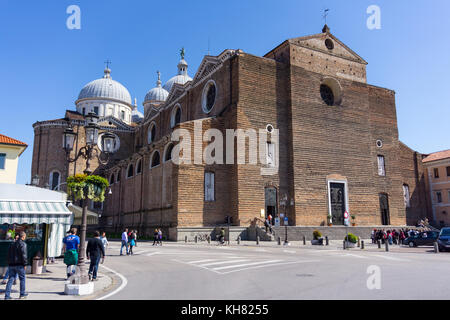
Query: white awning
[34, 212]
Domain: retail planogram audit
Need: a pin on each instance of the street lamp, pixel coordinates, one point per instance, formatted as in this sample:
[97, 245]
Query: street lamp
[88, 152]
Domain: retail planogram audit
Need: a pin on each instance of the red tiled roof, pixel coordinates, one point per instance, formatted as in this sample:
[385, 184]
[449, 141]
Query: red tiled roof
[437, 156]
[7, 140]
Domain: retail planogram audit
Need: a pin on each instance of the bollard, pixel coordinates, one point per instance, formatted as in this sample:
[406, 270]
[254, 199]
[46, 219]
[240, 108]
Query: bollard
[185, 239]
[387, 245]
[362, 245]
[359, 242]
[304, 240]
[327, 242]
[379, 244]
[343, 244]
[239, 240]
[436, 247]
[257, 240]
[209, 239]
[196, 239]
[279, 241]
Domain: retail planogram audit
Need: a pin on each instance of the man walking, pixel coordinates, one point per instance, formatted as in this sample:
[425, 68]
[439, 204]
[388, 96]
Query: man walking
[124, 241]
[94, 251]
[17, 261]
[70, 249]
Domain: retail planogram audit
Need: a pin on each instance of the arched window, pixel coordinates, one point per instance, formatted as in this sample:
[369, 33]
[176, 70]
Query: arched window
[130, 171]
[112, 179]
[119, 173]
[155, 159]
[151, 133]
[176, 116]
[168, 153]
[139, 167]
[54, 180]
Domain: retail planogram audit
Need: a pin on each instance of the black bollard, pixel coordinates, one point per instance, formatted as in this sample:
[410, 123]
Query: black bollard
[387, 245]
[239, 240]
[436, 247]
[185, 239]
[344, 244]
[257, 240]
[379, 244]
[362, 245]
[304, 240]
[196, 239]
[209, 239]
[279, 241]
[327, 242]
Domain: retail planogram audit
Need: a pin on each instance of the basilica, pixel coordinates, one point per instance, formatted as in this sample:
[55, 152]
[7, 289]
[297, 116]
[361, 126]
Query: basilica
[338, 150]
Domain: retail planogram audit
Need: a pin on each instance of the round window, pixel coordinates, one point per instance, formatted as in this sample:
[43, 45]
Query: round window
[329, 44]
[379, 143]
[209, 96]
[327, 94]
[269, 128]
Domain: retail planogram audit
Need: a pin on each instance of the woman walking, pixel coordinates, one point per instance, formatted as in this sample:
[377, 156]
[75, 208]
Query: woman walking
[132, 242]
[155, 237]
[160, 237]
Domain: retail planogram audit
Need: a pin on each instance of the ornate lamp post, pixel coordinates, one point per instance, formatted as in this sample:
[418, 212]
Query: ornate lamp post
[88, 152]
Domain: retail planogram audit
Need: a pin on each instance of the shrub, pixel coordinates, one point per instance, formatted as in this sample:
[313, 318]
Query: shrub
[351, 238]
[82, 186]
[317, 235]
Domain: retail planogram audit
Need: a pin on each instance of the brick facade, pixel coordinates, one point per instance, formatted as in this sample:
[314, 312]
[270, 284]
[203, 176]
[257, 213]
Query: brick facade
[319, 144]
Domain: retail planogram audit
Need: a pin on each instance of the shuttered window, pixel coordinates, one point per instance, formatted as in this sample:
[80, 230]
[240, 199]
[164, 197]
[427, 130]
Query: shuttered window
[270, 152]
[209, 186]
[381, 166]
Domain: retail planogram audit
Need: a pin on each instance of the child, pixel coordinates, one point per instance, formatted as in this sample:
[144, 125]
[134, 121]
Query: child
[104, 241]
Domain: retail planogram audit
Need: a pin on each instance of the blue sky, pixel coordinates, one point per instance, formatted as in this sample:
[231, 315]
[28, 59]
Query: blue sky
[44, 65]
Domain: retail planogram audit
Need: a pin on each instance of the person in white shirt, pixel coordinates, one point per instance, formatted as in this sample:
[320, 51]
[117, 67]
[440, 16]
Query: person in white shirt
[104, 241]
[124, 241]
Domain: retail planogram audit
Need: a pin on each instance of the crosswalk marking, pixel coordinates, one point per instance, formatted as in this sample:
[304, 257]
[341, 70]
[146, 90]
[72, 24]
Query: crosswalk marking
[356, 256]
[223, 262]
[246, 264]
[389, 258]
[271, 265]
[199, 261]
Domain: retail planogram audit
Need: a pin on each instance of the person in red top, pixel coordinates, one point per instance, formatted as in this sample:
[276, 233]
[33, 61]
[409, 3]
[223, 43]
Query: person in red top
[270, 218]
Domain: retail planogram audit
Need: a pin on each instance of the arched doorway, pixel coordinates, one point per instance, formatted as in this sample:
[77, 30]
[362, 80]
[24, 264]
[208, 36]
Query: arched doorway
[271, 202]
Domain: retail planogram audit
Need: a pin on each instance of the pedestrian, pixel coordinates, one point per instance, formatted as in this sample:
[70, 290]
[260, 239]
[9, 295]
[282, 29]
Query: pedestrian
[95, 251]
[270, 219]
[155, 237]
[160, 236]
[17, 262]
[70, 249]
[104, 241]
[135, 238]
[131, 242]
[124, 241]
[5, 279]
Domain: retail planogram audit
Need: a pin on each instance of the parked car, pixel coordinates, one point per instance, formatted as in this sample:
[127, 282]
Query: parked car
[444, 239]
[427, 238]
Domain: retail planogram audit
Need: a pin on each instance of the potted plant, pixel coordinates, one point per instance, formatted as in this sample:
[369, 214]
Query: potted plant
[353, 220]
[350, 240]
[82, 186]
[318, 240]
[330, 220]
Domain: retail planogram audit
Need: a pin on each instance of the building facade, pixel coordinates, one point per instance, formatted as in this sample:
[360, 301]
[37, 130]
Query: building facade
[438, 185]
[324, 140]
[10, 151]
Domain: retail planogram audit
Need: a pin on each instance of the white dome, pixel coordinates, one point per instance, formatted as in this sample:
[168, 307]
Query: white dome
[182, 76]
[106, 88]
[157, 94]
[136, 115]
[180, 79]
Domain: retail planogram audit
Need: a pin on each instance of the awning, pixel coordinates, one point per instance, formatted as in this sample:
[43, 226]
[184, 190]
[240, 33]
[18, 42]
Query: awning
[34, 212]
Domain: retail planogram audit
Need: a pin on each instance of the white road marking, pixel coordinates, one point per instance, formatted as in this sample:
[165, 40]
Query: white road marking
[389, 258]
[152, 254]
[289, 251]
[246, 264]
[356, 256]
[270, 265]
[200, 261]
[123, 285]
[223, 262]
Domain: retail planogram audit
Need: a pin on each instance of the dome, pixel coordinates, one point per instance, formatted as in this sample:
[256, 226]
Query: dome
[105, 88]
[182, 76]
[180, 79]
[158, 93]
[136, 115]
